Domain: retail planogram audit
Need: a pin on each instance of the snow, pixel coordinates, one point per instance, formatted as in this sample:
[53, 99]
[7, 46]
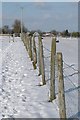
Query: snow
[20, 93]
[69, 49]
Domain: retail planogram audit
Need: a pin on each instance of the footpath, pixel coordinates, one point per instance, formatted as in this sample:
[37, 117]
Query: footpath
[20, 93]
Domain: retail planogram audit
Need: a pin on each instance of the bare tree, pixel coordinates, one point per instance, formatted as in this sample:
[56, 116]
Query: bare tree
[17, 26]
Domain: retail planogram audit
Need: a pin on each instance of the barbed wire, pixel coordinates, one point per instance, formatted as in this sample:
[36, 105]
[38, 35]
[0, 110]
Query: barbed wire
[70, 66]
[46, 56]
[64, 74]
[44, 47]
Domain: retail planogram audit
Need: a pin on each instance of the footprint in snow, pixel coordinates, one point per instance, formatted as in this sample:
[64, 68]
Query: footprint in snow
[24, 75]
[3, 115]
[5, 107]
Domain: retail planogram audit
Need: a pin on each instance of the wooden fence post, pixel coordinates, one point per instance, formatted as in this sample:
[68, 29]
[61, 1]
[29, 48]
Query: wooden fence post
[52, 81]
[26, 42]
[24, 39]
[9, 38]
[39, 61]
[34, 53]
[61, 95]
[42, 63]
[21, 37]
[30, 47]
[13, 37]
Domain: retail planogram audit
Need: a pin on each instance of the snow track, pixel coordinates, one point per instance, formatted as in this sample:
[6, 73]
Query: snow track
[20, 95]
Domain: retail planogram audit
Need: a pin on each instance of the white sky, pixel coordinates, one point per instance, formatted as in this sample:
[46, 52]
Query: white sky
[39, 0]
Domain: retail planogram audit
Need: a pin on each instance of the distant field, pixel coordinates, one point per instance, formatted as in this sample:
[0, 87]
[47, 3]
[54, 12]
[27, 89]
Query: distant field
[4, 34]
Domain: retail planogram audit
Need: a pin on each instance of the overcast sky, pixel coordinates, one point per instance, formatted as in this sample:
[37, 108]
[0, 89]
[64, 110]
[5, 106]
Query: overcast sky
[45, 16]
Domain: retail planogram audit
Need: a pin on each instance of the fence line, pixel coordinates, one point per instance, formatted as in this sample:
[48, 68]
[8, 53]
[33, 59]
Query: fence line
[41, 66]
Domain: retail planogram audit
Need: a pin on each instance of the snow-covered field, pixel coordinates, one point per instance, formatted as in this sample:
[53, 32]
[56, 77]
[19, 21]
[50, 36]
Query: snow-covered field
[20, 95]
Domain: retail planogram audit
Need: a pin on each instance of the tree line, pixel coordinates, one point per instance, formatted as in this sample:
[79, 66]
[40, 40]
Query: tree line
[16, 28]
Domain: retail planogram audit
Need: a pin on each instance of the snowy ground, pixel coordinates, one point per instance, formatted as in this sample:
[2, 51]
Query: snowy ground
[69, 49]
[20, 95]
